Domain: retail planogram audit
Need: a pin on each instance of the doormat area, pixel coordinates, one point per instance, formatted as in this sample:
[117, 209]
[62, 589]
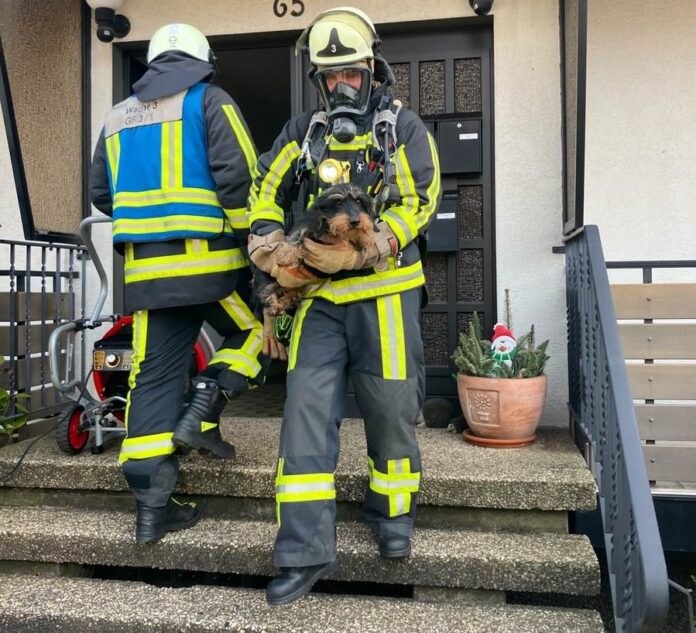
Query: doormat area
[266, 401]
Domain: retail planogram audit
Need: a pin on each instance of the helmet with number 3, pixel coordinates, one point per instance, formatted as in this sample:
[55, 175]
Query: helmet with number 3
[341, 43]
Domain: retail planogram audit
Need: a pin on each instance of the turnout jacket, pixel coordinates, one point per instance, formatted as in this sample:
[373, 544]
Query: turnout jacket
[182, 230]
[415, 156]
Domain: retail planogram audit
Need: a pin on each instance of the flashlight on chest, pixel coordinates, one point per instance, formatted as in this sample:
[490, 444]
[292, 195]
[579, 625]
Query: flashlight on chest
[334, 172]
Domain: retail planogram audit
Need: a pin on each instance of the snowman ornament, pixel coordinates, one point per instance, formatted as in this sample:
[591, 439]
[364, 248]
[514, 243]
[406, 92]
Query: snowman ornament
[503, 345]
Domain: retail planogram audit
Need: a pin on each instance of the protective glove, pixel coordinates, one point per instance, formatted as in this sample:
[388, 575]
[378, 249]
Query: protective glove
[330, 258]
[265, 251]
[272, 254]
[292, 276]
[272, 347]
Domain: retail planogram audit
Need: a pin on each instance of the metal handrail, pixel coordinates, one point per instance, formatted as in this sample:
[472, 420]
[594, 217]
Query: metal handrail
[601, 407]
[94, 320]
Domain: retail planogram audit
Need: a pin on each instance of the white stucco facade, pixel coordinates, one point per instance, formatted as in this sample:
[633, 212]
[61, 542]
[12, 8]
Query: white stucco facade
[640, 159]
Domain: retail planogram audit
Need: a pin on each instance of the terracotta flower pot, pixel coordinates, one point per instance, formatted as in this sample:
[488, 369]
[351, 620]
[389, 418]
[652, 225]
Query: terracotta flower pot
[501, 411]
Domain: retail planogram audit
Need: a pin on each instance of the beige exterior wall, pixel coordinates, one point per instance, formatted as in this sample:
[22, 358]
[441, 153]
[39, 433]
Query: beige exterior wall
[641, 129]
[42, 46]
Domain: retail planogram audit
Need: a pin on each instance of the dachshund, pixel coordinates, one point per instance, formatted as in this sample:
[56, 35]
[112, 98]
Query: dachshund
[341, 213]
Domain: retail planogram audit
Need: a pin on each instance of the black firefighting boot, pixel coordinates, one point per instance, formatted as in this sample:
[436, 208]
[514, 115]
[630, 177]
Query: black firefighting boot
[151, 524]
[294, 582]
[199, 426]
[395, 547]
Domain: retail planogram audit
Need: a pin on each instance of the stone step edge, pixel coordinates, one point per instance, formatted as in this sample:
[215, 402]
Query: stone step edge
[68, 604]
[552, 563]
[260, 509]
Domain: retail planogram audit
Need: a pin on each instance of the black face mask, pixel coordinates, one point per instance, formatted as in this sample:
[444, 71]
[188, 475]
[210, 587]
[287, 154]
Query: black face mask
[344, 100]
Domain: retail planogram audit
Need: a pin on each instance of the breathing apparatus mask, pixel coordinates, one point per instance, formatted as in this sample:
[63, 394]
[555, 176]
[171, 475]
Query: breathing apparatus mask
[345, 92]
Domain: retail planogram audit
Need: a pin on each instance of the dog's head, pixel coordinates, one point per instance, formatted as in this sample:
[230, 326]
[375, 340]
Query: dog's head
[344, 211]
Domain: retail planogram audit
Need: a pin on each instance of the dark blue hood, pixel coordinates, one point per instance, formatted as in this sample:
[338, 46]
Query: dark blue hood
[171, 73]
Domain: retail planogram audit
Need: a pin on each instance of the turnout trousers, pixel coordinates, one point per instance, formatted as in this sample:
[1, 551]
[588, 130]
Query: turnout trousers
[163, 341]
[377, 342]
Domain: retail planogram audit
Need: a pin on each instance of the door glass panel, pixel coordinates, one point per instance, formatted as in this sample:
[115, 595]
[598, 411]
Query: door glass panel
[467, 85]
[401, 89]
[436, 277]
[471, 212]
[470, 275]
[432, 88]
[435, 338]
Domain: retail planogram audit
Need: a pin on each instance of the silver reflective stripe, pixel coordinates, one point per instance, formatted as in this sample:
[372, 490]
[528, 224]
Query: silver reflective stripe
[394, 485]
[359, 284]
[150, 446]
[400, 503]
[135, 269]
[408, 233]
[159, 196]
[132, 113]
[393, 337]
[295, 488]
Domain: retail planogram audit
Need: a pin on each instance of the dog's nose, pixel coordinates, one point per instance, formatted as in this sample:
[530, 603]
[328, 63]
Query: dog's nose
[355, 223]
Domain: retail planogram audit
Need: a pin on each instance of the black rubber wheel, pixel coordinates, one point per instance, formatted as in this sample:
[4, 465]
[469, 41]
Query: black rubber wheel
[68, 435]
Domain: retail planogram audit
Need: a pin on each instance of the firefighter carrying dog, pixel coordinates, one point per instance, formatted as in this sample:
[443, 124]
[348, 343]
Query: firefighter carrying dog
[362, 321]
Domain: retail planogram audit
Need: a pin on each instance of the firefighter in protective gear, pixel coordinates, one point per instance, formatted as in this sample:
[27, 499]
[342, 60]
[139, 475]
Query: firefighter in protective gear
[363, 320]
[173, 167]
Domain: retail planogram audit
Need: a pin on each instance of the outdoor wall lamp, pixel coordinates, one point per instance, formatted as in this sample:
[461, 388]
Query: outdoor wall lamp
[481, 7]
[109, 23]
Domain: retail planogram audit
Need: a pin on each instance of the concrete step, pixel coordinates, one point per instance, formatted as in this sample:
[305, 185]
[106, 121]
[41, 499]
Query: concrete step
[553, 563]
[69, 605]
[550, 475]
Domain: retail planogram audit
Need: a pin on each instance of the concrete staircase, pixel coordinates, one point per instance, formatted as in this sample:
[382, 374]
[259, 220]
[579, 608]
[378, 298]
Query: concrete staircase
[489, 522]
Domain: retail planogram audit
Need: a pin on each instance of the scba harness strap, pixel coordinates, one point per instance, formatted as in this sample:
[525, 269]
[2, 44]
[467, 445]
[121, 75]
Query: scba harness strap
[380, 168]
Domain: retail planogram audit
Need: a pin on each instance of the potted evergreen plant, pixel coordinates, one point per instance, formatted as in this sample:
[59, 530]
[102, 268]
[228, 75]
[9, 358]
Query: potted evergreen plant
[10, 422]
[501, 385]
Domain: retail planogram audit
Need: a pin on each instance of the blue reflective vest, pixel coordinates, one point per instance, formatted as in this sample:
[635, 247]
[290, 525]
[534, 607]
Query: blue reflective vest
[161, 185]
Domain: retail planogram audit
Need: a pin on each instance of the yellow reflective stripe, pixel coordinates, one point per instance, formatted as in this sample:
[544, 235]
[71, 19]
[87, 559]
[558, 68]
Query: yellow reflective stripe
[433, 190]
[298, 320]
[237, 218]
[401, 218]
[146, 446]
[277, 170]
[164, 155]
[358, 143]
[244, 360]
[240, 312]
[391, 336]
[305, 487]
[113, 153]
[242, 137]
[273, 213]
[169, 223]
[184, 265]
[172, 154]
[140, 318]
[294, 497]
[377, 284]
[402, 223]
[191, 195]
[398, 484]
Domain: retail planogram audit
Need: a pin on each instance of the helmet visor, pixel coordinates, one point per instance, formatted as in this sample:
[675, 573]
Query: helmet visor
[344, 89]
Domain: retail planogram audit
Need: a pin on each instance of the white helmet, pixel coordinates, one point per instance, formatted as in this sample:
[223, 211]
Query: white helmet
[179, 37]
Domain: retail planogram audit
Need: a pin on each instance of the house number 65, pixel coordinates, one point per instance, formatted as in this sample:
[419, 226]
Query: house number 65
[281, 8]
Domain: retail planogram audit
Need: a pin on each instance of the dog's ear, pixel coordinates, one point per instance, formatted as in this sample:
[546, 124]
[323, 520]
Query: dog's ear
[366, 202]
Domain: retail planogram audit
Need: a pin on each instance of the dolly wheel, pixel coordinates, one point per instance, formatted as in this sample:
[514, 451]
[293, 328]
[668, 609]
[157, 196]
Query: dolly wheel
[68, 435]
